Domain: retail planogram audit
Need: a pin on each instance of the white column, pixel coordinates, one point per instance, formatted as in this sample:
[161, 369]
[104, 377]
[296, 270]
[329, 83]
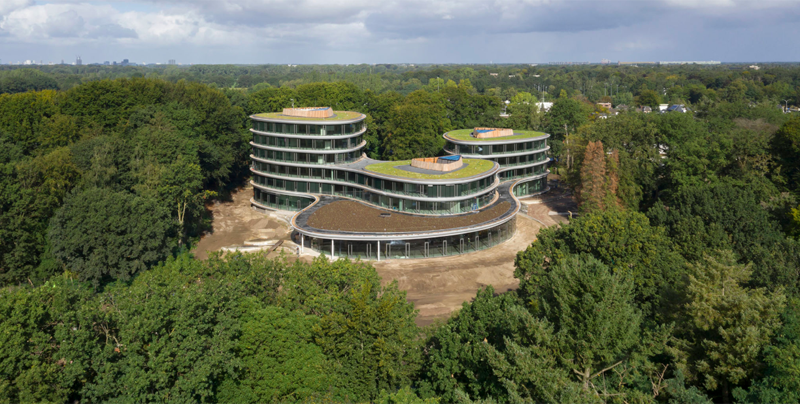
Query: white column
[302, 242]
[379, 250]
[332, 256]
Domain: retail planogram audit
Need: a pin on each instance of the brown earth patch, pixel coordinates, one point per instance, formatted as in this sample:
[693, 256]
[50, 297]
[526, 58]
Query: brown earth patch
[357, 217]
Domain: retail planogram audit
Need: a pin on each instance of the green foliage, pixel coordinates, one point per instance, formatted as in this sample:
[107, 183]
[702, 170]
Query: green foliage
[48, 341]
[781, 381]
[168, 336]
[367, 331]
[583, 342]
[724, 217]
[415, 127]
[403, 396]
[622, 240]
[632, 136]
[22, 80]
[786, 149]
[649, 98]
[455, 359]
[465, 109]
[565, 116]
[104, 235]
[172, 144]
[728, 324]
[592, 312]
[280, 362]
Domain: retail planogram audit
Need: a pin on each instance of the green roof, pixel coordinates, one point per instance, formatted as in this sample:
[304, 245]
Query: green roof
[466, 135]
[337, 116]
[474, 167]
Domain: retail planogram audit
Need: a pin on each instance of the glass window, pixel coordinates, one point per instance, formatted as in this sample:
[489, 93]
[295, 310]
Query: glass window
[332, 130]
[433, 191]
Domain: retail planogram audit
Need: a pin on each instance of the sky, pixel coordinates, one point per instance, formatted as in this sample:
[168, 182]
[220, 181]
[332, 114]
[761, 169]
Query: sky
[398, 31]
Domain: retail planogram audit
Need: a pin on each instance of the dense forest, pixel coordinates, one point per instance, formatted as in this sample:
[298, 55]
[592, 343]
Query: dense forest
[679, 282]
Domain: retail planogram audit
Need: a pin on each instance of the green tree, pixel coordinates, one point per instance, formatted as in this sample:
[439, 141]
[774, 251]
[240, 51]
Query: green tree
[725, 217]
[728, 324]
[565, 116]
[48, 341]
[649, 98]
[594, 187]
[415, 127]
[786, 149]
[781, 381]
[280, 362]
[456, 363]
[623, 240]
[168, 336]
[367, 331]
[104, 235]
[596, 326]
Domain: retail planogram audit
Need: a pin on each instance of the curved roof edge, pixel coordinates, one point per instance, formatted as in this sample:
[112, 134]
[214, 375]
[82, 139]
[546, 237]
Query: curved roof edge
[278, 117]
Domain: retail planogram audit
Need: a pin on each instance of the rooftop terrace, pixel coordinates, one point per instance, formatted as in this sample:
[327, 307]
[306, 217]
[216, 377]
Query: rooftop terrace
[337, 116]
[351, 216]
[403, 169]
[466, 136]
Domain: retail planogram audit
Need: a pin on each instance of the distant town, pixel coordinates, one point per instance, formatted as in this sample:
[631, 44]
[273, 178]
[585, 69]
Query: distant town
[126, 62]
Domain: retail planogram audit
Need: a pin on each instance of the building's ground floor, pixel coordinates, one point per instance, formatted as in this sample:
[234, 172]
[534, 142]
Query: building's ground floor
[400, 248]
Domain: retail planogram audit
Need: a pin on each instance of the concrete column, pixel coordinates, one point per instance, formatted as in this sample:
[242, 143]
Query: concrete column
[332, 256]
[379, 250]
[302, 242]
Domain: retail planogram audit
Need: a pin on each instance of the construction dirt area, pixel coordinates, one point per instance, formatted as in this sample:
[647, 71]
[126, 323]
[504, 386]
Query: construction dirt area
[437, 286]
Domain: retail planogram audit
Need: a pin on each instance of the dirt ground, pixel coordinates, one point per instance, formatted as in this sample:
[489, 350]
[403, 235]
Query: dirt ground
[235, 222]
[437, 286]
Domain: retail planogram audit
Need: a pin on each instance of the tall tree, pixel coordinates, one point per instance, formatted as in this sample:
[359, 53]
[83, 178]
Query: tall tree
[103, 235]
[728, 324]
[415, 127]
[593, 189]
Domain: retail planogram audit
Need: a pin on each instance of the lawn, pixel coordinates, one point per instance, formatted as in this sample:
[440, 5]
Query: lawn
[474, 167]
[466, 135]
[338, 116]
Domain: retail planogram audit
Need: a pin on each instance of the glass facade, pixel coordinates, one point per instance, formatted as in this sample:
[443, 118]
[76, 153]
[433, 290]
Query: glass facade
[308, 144]
[494, 148]
[379, 184]
[523, 172]
[530, 187]
[387, 202]
[280, 201]
[306, 158]
[469, 241]
[310, 129]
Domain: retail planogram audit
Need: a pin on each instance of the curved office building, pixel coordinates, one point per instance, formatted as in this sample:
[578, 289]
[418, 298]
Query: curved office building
[520, 154]
[310, 160]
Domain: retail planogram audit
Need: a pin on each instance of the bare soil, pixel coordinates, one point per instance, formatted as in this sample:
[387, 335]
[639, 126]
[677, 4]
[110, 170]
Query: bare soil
[437, 286]
[235, 221]
[358, 217]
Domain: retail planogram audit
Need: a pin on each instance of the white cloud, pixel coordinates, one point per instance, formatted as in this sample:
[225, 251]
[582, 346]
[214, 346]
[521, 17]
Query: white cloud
[402, 29]
[7, 6]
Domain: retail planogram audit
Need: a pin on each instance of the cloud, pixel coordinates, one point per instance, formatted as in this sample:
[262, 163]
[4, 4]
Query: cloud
[113, 31]
[7, 6]
[368, 30]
